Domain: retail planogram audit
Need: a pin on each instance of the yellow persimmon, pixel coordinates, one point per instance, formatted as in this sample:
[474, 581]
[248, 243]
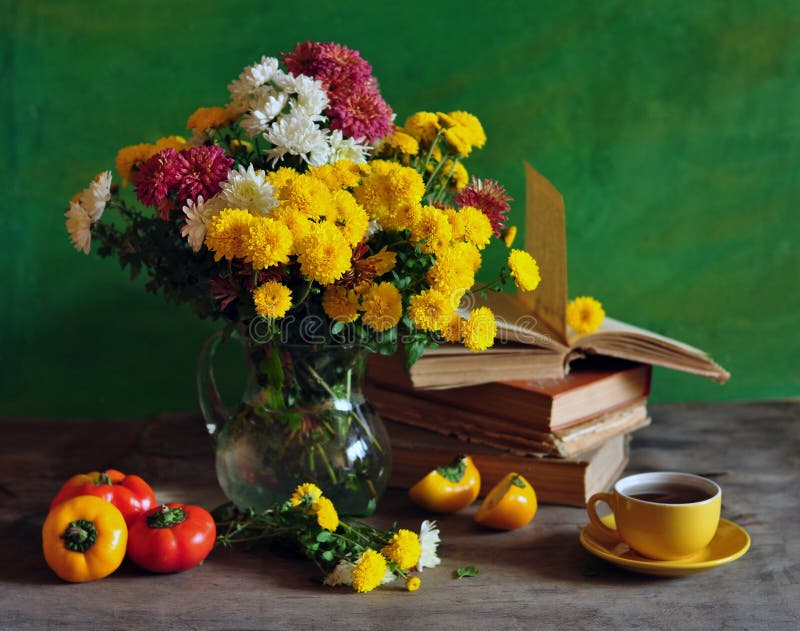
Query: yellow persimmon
[448, 489]
[511, 504]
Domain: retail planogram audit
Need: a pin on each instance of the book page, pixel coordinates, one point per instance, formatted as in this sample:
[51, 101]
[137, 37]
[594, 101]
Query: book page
[626, 341]
[546, 241]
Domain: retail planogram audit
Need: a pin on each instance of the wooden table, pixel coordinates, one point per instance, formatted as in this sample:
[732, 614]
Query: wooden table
[537, 577]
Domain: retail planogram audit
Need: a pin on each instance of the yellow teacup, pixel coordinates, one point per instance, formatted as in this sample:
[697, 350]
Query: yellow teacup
[663, 515]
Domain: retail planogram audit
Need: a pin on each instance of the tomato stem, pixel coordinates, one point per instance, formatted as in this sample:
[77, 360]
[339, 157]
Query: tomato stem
[166, 517]
[79, 536]
[103, 478]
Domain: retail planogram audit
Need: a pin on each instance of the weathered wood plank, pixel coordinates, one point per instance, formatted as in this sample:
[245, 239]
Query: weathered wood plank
[535, 577]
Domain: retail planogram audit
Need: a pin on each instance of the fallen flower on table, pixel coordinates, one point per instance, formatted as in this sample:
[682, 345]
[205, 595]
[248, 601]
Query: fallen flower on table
[346, 551]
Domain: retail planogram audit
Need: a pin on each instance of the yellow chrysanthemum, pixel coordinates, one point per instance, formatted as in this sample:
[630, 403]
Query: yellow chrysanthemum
[472, 128]
[272, 299]
[340, 303]
[391, 194]
[382, 307]
[228, 233]
[451, 274]
[431, 225]
[477, 227]
[327, 517]
[423, 126]
[431, 310]
[170, 142]
[403, 549]
[403, 142]
[349, 216]
[305, 492]
[585, 314]
[524, 270]
[129, 158]
[509, 234]
[456, 138]
[480, 330]
[469, 254]
[307, 195]
[280, 178]
[205, 118]
[457, 223]
[413, 583]
[324, 255]
[299, 224]
[369, 571]
[241, 146]
[269, 243]
[453, 331]
[457, 174]
[340, 174]
[383, 262]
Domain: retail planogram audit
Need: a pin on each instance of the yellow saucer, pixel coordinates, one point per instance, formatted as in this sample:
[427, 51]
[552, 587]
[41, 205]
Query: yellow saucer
[730, 542]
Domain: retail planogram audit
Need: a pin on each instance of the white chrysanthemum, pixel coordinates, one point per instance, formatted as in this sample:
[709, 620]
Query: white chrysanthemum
[373, 228]
[284, 81]
[353, 149]
[388, 577]
[248, 188]
[311, 98]
[429, 541]
[342, 574]
[79, 226]
[264, 111]
[298, 135]
[95, 198]
[198, 214]
[246, 87]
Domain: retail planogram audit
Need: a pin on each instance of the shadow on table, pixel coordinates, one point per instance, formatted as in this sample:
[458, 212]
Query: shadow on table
[556, 555]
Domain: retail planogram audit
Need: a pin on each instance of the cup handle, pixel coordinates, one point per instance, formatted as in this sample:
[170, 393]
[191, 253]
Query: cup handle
[608, 498]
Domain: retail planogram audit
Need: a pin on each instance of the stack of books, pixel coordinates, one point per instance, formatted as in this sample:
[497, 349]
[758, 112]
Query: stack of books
[567, 436]
[546, 402]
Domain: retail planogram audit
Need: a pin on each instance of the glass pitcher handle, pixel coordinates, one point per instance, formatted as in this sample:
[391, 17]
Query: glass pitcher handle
[214, 411]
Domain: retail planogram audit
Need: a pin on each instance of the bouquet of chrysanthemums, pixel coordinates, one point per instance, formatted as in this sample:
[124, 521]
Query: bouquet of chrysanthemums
[346, 551]
[303, 197]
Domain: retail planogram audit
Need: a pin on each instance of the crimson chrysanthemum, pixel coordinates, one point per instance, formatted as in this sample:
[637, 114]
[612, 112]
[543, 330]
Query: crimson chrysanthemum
[489, 197]
[203, 169]
[338, 67]
[157, 176]
[361, 114]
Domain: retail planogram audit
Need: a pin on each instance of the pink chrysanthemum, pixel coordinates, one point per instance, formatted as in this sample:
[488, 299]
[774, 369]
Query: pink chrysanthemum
[202, 171]
[362, 114]
[157, 176]
[339, 68]
[490, 197]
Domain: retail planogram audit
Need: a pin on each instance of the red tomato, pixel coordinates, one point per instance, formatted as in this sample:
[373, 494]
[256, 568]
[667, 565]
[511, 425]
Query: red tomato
[171, 538]
[129, 493]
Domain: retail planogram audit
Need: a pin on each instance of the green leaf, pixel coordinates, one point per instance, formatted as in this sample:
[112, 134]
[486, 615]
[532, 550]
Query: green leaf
[324, 536]
[454, 471]
[414, 351]
[337, 327]
[371, 506]
[327, 555]
[467, 572]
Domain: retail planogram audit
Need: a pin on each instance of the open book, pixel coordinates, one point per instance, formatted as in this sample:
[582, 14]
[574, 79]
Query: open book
[534, 340]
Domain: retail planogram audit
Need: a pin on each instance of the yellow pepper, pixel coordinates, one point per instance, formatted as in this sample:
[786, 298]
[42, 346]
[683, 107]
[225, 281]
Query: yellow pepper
[84, 539]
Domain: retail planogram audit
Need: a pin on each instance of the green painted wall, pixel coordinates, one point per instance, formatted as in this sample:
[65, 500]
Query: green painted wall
[671, 128]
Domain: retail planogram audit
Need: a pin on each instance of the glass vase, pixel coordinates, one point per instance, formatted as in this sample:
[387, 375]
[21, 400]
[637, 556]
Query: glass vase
[302, 418]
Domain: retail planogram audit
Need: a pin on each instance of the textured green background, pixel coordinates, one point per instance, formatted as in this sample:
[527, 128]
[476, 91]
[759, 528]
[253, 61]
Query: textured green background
[671, 128]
